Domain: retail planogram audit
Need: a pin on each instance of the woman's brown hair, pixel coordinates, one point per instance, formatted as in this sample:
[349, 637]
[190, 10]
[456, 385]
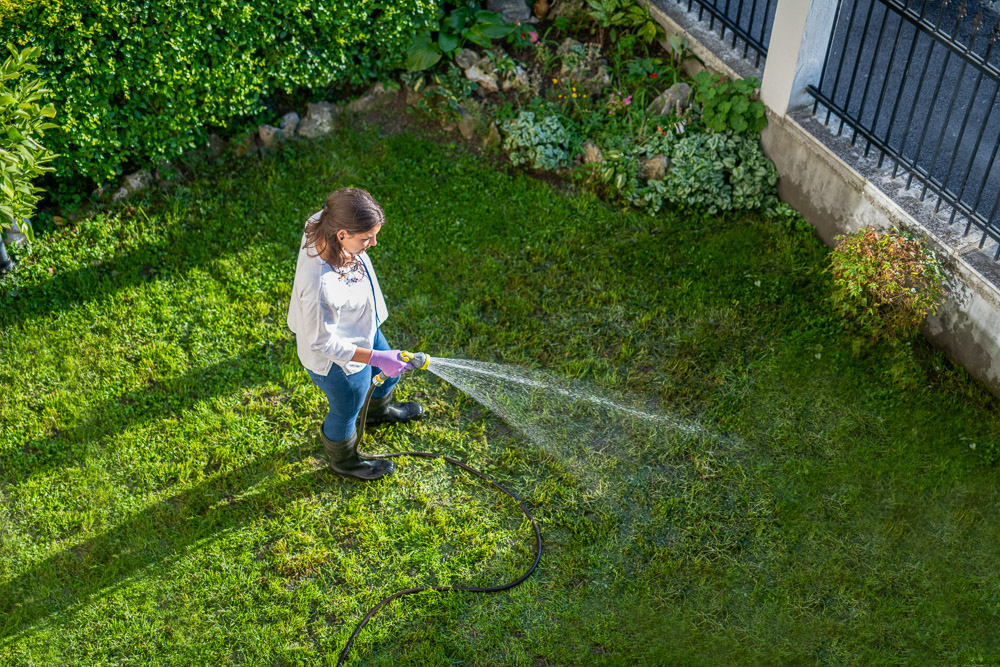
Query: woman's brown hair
[351, 209]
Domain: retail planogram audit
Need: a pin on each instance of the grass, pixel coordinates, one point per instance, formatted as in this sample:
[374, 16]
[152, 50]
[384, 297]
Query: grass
[163, 497]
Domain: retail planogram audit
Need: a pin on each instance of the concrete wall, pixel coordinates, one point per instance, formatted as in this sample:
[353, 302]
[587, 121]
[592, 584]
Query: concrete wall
[838, 190]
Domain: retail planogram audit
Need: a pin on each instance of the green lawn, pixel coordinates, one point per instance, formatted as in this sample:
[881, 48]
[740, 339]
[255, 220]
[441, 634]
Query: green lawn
[163, 497]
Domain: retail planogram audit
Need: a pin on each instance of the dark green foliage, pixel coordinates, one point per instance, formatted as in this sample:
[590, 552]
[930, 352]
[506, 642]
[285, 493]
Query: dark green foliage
[465, 23]
[625, 16]
[139, 82]
[729, 105]
[444, 98]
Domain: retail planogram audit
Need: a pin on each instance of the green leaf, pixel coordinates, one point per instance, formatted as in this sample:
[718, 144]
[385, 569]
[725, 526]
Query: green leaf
[492, 18]
[27, 230]
[447, 41]
[476, 36]
[493, 25]
[648, 32]
[422, 54]
[495, 31]
[456, 21]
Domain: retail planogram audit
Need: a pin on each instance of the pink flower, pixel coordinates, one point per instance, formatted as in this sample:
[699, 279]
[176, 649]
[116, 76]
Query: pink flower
[533, 36]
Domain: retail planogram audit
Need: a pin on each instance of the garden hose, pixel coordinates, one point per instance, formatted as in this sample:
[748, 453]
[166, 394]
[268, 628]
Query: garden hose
[422, 361]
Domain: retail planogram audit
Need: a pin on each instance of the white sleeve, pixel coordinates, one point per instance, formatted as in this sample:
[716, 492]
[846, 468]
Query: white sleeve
[320, 323]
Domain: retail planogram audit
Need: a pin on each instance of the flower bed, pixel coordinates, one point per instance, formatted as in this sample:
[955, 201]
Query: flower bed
[621, 116]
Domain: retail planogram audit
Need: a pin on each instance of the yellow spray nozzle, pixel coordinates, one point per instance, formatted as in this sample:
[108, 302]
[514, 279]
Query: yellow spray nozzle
[419, 360]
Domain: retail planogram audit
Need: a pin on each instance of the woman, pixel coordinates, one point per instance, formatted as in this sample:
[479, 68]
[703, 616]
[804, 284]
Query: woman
[335, 312]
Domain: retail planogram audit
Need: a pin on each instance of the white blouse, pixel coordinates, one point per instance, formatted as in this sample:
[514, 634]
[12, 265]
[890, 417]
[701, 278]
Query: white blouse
[333, 312]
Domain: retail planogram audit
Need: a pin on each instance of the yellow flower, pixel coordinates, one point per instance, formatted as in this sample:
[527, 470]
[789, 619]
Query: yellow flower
[555, 80]
[574, 90]
[574, 94]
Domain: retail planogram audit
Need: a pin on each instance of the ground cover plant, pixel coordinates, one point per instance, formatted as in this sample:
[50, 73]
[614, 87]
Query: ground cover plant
[163, 498]
[622, 117]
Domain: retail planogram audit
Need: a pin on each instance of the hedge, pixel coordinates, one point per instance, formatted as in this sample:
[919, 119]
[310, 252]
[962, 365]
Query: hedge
[138, 82]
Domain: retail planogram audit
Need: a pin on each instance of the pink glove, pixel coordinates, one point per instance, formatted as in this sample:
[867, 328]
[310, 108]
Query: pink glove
[388, 362]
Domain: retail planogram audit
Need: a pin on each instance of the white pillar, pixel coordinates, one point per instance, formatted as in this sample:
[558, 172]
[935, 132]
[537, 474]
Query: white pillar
[799, 37]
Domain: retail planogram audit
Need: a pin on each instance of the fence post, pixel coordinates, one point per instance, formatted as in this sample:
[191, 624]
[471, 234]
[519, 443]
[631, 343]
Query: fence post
[799, 39]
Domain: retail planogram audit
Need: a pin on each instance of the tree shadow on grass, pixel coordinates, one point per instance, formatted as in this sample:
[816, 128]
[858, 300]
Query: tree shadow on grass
[197, 240]
[148, 402]
[167, 530]
[172, 256]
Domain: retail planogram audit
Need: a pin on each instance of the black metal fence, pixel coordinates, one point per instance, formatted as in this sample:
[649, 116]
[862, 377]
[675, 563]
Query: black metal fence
[919, 82]
[747, 22]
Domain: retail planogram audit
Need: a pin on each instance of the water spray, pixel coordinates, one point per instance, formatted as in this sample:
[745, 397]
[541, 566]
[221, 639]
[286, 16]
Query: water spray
[421, 361]
[581, 426]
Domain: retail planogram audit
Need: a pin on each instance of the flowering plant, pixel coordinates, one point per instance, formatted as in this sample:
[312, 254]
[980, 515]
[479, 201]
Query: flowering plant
[524, 38]
[618, 102]
[885, 283]
[678, 127]
[572, 100]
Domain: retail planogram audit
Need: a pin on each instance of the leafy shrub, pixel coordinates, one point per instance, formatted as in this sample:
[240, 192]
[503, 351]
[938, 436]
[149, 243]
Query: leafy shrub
[466, 23]
[885, 283]
[137, 82]
[625, 15]
[721, 172]
[728, 105]
[542, 143]
[23, 118]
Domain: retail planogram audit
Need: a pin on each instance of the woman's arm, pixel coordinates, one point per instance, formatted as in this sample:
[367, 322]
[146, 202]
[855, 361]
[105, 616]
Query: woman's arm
[362, 355]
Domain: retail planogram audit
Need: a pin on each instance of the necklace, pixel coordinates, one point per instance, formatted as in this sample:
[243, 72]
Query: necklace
[351, 273]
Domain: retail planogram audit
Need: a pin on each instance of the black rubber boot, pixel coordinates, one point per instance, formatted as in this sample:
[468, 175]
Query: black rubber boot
[344, 460]
[384, 411]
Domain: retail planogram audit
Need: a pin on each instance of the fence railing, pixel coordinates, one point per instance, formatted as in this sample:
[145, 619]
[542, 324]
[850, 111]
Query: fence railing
[920, 85]
[748, 22]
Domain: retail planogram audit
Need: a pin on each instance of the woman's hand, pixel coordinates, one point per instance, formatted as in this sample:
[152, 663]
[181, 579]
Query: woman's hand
[389, 362]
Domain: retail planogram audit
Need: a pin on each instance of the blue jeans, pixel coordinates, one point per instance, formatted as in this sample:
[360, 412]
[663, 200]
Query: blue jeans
[346, 393]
